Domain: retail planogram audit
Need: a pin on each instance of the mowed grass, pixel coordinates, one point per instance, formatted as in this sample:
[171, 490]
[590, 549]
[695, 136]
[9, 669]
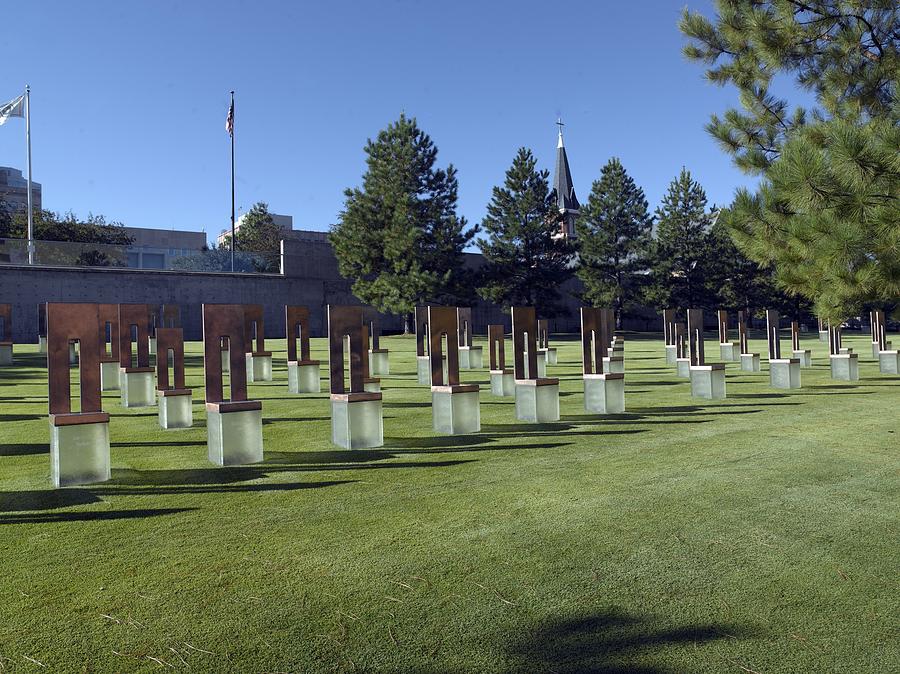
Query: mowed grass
[755, 534]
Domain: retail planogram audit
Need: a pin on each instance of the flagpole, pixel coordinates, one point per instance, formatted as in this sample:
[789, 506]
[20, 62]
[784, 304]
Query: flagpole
[28, 146]
[233, 239]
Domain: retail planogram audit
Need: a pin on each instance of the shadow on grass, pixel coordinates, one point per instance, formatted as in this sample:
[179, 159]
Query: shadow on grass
[328, 456]
[25, 449]
[528, 429]
[186, 477]
[40, 518]
[45, 499]
[273, 420]
[436, 442]
[174, 443]
[611, 641]
[21, 417]
[216, 488]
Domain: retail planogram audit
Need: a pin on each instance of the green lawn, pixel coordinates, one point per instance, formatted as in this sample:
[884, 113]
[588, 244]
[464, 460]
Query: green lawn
[756, 534]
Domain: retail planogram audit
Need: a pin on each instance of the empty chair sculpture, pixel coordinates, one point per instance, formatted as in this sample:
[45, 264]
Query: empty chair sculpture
[471, 357]
[707, 379]
[6, 339]
[537, 397]
[171, 316]
[844, 363]
[303, 372]
[614, 362]
[175, 399]
[797, 351]
[669, 335]
[135, 373]
[888, 358]
[233, 425]
[682, 357]
[783, 372]
[377, 357]
[503, 382]
[153, 322]
[370, 384]
[356, 414]
[604, 392]
[728, 350]
[454, 405]
[258, 361]
[544, 347]
[79, 441]
[423, 362]
[110, 375]
[42, 327]
[749, 361]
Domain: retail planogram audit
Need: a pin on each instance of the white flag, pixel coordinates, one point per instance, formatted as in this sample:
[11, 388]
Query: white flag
[15, 108]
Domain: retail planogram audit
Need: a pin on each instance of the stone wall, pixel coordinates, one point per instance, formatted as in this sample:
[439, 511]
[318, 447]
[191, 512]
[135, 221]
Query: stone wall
[309, 277]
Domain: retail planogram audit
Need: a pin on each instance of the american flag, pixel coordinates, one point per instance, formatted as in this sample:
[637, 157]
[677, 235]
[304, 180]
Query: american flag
[229, 120]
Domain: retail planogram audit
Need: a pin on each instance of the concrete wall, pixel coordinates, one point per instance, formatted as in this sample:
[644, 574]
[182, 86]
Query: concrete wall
[309, 277]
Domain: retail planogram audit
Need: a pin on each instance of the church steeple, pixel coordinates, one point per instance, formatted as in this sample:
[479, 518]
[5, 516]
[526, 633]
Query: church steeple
[566, 200]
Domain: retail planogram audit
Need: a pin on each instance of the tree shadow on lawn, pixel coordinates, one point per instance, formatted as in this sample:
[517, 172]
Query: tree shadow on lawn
[610, 641]
[102, 515]
[21, 417]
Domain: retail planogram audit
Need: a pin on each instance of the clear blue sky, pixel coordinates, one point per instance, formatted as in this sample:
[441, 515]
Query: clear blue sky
[129, 99]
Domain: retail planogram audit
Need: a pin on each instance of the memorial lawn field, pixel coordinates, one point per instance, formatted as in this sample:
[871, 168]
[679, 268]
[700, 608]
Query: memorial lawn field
[755, 534]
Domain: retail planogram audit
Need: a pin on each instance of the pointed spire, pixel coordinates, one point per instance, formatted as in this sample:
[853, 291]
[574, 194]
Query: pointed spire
[562, 180]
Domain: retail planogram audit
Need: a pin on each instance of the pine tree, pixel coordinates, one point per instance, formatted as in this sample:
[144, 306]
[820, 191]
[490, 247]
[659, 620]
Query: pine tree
[826, 217]
[398, 238]
[614, 234]
[260, 235]
[734, 281]
[525, 260]
[681, 257]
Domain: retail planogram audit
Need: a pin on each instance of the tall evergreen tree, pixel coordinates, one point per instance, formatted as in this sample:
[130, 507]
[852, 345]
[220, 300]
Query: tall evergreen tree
[398, 238]
[827, 214]
[525, 259]
[260, 235]
[681, 257]
[735, 282]
[614, 235]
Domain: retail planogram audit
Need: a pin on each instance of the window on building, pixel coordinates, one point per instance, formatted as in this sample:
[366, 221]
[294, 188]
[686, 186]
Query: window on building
[154, 261]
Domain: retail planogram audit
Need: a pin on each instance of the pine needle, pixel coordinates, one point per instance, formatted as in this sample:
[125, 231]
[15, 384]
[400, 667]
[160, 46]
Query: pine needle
[499, 596]
[162, 663]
